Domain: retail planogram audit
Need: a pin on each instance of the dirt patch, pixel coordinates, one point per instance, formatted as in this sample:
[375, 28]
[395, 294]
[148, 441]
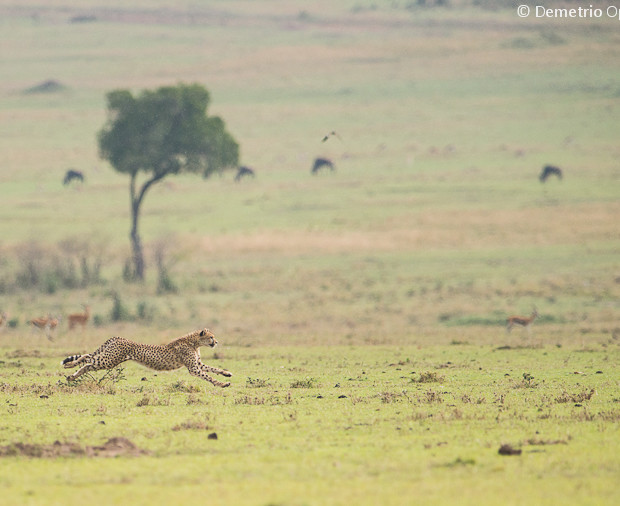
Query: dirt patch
[509, 450]
[575, 397]
[545, 442]
[114, 447]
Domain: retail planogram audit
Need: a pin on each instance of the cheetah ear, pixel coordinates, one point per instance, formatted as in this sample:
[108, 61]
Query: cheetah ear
[203, 333]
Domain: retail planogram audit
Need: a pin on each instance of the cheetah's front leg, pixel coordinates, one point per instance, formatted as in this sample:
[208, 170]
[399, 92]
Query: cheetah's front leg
[204, 369]
[200, 370]
[76, 360]
[82, 370]
[216, 370]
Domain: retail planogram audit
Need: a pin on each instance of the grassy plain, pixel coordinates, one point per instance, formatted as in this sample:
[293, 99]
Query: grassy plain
[326, 425]
[399, 267]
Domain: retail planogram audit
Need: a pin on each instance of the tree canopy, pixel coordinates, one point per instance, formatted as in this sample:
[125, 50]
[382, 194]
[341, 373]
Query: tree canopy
[165, 131]
[160, 133]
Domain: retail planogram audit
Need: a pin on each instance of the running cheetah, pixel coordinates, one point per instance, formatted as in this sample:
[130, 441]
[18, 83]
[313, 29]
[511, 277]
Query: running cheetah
[178, 353]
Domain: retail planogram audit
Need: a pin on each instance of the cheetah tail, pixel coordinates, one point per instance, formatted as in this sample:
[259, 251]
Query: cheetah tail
[67, 362]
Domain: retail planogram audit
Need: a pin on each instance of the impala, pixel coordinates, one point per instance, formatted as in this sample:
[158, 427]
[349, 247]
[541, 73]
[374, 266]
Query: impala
[524, 321]
[79, 318]
[46, 323]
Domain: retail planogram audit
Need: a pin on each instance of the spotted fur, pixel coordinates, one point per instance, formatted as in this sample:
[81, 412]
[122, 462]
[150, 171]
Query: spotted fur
[183, 351]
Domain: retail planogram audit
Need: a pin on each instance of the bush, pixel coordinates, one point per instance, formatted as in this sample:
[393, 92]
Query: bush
[164, 282]
[145, 311]
[129, 274]
[305, 383]
[52, 269]
[119, 313]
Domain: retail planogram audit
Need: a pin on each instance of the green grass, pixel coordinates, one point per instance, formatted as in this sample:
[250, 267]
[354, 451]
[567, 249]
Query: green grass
[326, 424]
[391, 277]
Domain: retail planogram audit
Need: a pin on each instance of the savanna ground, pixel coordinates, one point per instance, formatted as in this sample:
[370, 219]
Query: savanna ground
[362, 311]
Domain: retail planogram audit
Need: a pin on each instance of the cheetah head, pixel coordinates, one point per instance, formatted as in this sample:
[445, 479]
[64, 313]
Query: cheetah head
[207, 338]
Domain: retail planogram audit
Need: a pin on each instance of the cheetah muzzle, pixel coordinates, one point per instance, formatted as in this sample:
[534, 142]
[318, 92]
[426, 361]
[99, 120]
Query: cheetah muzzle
[183, 351]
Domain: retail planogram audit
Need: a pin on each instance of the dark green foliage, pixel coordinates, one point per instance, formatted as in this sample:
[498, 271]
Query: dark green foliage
[497, 319]
[165, 131]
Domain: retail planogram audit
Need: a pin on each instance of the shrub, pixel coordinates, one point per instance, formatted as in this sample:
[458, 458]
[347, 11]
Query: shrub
[119, 310]
[428, 377]
[257, 383]
[305, 383]
[145, 311]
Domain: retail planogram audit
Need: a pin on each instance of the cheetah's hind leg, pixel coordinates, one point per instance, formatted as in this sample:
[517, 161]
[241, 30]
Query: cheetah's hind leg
[74, 361]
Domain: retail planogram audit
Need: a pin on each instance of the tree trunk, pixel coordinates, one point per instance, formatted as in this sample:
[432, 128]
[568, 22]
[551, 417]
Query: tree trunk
[136, 202]
[136, 243]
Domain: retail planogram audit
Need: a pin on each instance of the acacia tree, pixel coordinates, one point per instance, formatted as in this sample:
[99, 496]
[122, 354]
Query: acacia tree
[161, 133]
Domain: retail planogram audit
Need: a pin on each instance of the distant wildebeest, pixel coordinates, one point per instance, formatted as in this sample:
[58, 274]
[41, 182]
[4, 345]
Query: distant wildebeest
[319, 163]
[73, 175]
[550, 170]
[243, 172]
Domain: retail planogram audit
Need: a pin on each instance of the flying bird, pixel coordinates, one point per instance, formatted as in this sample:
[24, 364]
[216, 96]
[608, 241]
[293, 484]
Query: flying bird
[330, 134]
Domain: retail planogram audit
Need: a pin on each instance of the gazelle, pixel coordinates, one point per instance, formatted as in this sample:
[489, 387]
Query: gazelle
[79, 318]
[3, 319]
[46, 323]
[524, 321]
